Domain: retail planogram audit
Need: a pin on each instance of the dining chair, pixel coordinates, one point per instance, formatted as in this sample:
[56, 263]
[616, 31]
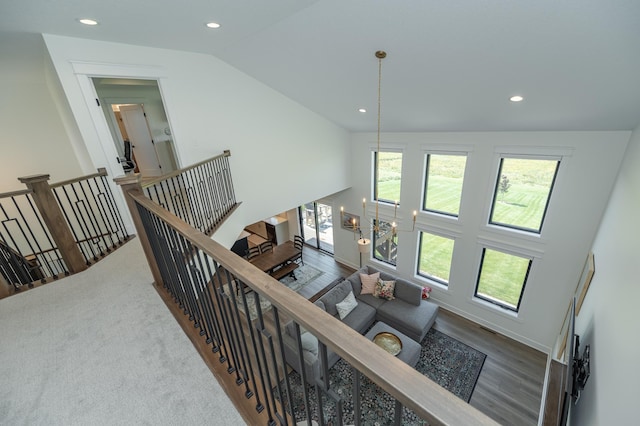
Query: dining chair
[298, 243]
[266, 247]
[253, 252]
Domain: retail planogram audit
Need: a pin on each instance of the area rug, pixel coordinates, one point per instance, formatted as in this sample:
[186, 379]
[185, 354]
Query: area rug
[448, 362]
[305, 274]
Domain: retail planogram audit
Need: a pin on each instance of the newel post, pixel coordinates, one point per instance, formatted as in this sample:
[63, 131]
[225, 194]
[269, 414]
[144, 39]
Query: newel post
[131, 185]
[5, 288]
[55, 221]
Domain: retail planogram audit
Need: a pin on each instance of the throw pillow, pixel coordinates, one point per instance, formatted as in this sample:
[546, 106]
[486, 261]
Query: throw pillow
[309, 343]
[384, 289]
[347, 305]
[369, 282]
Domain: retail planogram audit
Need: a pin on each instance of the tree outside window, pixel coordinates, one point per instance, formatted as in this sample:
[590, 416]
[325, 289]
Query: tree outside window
[522, 193]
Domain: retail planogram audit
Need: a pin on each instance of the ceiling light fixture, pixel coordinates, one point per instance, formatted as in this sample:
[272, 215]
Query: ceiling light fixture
[516, 98]
[364, 243]
[87, 21]
[362, 110]
[213, 25]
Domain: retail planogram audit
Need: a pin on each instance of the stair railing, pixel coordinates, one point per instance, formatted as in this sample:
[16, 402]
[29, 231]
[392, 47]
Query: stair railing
[52, 230]
[202, 194]
[207, 281]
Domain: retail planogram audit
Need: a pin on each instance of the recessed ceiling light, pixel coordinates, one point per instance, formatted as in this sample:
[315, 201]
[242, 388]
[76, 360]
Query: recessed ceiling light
[516, 98]
[362, 110]
[213, 25]
[86, 21]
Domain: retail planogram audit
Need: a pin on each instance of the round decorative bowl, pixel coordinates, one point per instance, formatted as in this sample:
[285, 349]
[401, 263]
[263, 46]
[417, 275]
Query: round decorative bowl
[389, 342]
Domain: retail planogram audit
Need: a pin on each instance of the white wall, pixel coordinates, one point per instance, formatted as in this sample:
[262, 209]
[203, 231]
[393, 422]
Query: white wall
[282, 153]
[34, 139]
[580, 195]
[608, 320]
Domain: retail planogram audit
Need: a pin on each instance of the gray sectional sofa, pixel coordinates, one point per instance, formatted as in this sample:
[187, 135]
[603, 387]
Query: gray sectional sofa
[407, 313]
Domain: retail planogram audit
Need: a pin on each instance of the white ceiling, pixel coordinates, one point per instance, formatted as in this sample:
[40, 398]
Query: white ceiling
[451, 64]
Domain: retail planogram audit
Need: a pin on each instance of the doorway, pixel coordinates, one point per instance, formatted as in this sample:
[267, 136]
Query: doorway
[138, 123]
[316, 223]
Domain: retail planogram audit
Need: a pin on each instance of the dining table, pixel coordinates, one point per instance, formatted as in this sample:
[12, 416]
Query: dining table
[279, 256]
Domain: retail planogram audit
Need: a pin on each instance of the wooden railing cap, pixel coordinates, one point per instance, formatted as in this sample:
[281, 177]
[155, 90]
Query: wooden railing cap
[128, 179]
[34, 178]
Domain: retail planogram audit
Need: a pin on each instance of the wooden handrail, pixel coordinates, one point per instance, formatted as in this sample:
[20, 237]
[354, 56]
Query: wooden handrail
[415, 391]
[226, 153]
[101, 172]
[15, 193]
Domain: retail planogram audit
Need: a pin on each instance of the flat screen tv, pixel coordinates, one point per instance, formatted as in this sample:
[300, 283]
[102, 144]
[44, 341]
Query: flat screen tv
[578, 367]
[570, 353]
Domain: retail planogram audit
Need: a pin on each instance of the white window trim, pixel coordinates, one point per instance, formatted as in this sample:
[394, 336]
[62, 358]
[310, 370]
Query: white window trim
[551, 155]
[444, 233]
[462, 150]
[533, 255]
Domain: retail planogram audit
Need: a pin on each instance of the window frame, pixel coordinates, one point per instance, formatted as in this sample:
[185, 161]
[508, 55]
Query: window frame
[373, 244]
[374, 174]
[431, 278]
[496, 302]
[558, 159]
[427, 155]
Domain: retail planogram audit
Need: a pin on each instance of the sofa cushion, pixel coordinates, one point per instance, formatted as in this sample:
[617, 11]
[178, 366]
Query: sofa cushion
[309, 343]
[361, 317]
[336, 295]
[354, 279]
[347, 305]
[408, 291]
[368, 282]
[412, 320]
[370, 300]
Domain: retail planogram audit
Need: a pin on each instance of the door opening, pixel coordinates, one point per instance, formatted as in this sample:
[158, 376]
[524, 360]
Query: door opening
[135, 115]
[316, 223]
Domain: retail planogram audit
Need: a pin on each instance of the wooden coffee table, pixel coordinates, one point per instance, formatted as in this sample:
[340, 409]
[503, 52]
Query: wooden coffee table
[410, 352]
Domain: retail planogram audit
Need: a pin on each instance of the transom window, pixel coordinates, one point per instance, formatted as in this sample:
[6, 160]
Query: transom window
[502, 278]
[444, 176]
[522, 192]
[385, 243]
[388, 176]
[434, 258]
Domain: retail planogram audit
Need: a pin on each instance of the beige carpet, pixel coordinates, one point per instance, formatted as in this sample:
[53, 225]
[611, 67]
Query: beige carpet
[101, 348]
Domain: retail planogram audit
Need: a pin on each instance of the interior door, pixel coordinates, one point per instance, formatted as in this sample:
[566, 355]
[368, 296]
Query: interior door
[144, 151]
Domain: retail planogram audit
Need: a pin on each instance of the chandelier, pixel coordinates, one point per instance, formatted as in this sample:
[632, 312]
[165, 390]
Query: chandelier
[364, 244]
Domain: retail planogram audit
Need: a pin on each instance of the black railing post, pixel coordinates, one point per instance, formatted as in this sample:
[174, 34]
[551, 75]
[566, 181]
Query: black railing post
[54, 219]
[131, 184]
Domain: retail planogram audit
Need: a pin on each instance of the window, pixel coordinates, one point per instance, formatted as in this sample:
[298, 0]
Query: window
[522, 193]
[388, 176]
[443, 183]
[502, 278]
[385, 243]
[434, 257]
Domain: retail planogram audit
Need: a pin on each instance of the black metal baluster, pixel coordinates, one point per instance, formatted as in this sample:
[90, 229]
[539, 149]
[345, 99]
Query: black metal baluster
[237, 334]
[40, 251]
[266, 379]
[276, 319]
[82, 247]
[90, 219]
[114, 211]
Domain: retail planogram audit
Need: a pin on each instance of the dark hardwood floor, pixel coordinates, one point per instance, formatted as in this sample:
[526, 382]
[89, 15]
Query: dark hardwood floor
[509, 389]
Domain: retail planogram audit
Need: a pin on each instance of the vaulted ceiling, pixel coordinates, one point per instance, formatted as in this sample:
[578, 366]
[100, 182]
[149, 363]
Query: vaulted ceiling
[451, 65]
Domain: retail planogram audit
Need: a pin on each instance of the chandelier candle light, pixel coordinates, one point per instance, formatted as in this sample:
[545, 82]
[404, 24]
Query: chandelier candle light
[365, 243]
